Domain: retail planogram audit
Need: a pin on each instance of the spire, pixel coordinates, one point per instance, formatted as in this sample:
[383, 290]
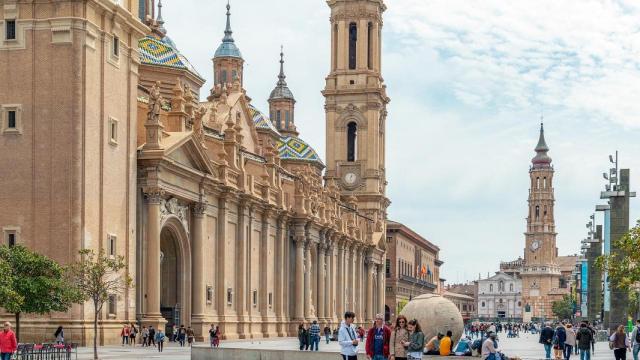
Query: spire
[281, 91]
[281, 76]
[228, 47]
[227, 30]
[159, 19]
[541, 159]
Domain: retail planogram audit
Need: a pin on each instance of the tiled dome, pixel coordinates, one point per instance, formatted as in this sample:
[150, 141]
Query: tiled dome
[261, 120]
[163, 52]
[294, 148]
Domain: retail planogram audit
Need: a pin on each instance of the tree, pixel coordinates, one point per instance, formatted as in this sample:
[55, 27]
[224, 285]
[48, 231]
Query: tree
[32, 284]
[563, 309]
[623, 266]
[98, 276]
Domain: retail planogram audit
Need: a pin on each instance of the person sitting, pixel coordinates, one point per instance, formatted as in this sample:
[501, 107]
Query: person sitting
[433, 346]
[463, 348]
[446, 344]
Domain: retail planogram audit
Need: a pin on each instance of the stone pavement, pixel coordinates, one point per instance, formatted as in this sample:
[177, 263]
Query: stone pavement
[526, 347]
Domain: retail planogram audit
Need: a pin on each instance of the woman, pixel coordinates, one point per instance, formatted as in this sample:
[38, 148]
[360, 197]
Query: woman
[415, 344]
[59, 334]
[8, 342]
[159, 338]
[133, 331]
[570, 343]
[145, 336]
[327, 333]
[399, 335]
[125, 335]
[301, 335]
[619, 342]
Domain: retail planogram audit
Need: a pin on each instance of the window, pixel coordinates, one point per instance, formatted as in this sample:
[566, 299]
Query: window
[223, 77]
[544, 182]
[270, 299]
[113, 131]
[537, 183]
[255, 297]
[209, 294]
[353, 45]
[11, 239]
[501, 286]
[369, 46]
[352, 133]
[544, 213]
[111, 243]
[11, 235]
[234, 75]
[537, 212]
[229, 296]
[511, 287]
[483, 304]
[278, 120]
[116, 46]
[490, 287]
[387, 267]
[112, 304]
[11, 119]
[286, 119]
[10, 30]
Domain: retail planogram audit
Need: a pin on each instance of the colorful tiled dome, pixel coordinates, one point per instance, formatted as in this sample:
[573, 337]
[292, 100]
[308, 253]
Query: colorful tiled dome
[261, 120]
[293, 148]
[163, 52]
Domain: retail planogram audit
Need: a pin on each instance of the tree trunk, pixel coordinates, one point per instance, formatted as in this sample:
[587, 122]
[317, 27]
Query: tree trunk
[17, 326]
[95, 331]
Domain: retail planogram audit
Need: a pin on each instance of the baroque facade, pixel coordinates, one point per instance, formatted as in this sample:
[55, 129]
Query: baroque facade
[500, 297]
[223, 214]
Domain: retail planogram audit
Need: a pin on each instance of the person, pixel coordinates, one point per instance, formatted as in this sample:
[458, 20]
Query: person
[570, 341]
[215, 336]
[490, 347]
[546, 339]
[152, 336]
[619, 343]
[212, 334]
[303, 337]
[174, 333]
[8, 342]
[399, 335]
[377, 344]
[191, 335]
[133, 332]
[347, 338]
[559, 338]
[159, 339]
[314, 335]
[433, 346]
[361, 333]
[145, 336]
[446, 344]
[182, 334]
[59, 334]
[593, 336]
[415, 344]
[327, 333]
[463, 348]
[124, 333]
[584, 338]
[635, 338]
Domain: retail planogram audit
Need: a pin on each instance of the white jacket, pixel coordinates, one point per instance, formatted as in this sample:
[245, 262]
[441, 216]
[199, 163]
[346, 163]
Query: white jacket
[346, 335]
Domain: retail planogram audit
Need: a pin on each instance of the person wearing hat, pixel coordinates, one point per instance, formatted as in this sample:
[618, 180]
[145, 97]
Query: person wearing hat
[490, 347]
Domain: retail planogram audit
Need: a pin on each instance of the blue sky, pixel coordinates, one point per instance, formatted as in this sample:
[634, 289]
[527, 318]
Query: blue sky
[468, 82]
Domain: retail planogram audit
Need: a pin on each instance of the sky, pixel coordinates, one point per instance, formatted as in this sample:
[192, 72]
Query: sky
[469, 83]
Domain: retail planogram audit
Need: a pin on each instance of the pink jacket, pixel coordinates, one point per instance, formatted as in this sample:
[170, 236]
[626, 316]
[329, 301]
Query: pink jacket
[8, 342]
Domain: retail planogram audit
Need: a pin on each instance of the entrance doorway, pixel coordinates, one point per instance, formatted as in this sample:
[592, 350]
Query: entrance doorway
[170, 287]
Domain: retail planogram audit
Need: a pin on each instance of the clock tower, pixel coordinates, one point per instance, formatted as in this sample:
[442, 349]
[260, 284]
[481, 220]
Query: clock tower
[355, 105]
[541, 273]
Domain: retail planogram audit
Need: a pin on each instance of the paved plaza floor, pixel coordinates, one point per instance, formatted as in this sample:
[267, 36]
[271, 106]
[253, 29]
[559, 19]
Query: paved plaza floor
[526, 347]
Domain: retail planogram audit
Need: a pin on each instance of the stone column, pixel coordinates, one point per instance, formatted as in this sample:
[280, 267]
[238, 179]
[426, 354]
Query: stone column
[320, 314]
[264, 271]
[240, 291]
[299, 278]
[381, 288]
[307, 278]
[197, 270]
[340, 283]
[279, 275]
[152, 277]
[352, 277]
[221, 284]
[370, 306]
[328, 287]
[358, 299]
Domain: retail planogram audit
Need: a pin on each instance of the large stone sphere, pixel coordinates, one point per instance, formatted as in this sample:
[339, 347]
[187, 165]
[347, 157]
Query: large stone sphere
[435, 314]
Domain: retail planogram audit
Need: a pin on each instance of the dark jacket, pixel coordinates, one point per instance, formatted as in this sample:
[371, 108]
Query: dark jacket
[417, 341]
[584, 337]
[369, 343]
[560, 336]
[546, 335]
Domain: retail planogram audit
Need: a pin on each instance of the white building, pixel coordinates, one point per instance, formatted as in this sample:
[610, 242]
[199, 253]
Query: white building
[500, 297]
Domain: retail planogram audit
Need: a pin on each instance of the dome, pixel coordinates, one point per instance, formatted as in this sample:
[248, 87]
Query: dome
[435, 314]
[294, 148]
[541, 159]
[281, 92]
[163, 52]
[228, 49]
[261, 121]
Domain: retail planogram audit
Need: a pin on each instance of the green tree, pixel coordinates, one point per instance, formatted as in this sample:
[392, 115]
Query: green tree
[32, 284]
[563, 309]
[98, 276]
[623, 266]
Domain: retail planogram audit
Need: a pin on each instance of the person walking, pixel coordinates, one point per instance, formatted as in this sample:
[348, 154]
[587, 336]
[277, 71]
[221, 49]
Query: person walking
[415, 344]
[133, 332]
[8, 342]
[152, 336]
[145, 336]
[635, 338]
[159, 339]
[174, 333]
[570, 341]
[314, 335]
[214, 336]
[619, 343]
[377, 344]
[559, 338]
[546, 339]
[584, 338]
[182, 335]
[446, 344]
[490, 347]
[327, 333]
[124, 333]
[399, 335]
[191, 335]
[59, 334]
[347, 338]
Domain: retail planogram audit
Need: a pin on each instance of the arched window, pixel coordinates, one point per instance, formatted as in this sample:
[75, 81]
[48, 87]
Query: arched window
[511, 287]
[483, 304]
[544, 182]
[353, 45]
[490, 287]
[223, 76]
[279, 119]
[286, 119]
[352, 133]
[544, 213]
[537, 183]
[370, 46]
[537, 212]
[501, 286]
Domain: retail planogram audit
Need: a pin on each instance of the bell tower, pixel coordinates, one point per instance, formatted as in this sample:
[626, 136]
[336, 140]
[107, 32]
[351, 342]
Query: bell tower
[355, 105]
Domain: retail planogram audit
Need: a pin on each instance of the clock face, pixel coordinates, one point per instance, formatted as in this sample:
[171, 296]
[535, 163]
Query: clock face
[350, 178]
[535, 245]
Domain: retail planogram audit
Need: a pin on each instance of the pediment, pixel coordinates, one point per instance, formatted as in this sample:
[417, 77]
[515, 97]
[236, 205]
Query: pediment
[189, 154]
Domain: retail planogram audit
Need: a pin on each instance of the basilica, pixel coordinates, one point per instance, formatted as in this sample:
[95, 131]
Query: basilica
[223, 213]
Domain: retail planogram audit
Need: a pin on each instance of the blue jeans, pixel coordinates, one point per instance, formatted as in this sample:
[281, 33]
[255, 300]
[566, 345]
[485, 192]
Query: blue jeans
[636, 350]
[379, 357]
[568, 349]
[547, 351]
[585, 354]
[327, 337]
[314, 343]
[5, 356]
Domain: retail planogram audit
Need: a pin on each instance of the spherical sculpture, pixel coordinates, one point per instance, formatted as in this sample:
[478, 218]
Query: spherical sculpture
[435, 314]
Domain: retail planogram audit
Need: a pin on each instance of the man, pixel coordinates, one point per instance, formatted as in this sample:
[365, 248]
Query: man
[377, 345]
[433, 346]
[490, 347]
[347, 338]
[152, 336]
[585, 338]
[314, 335]
[446, 344]
[635, 338]
[546, 339]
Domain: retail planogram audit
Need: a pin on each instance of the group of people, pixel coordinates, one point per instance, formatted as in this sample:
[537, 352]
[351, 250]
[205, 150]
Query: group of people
[156, 337]
[405, 341]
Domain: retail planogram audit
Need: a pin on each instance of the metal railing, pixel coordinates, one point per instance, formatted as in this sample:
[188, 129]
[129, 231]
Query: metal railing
[46, 351]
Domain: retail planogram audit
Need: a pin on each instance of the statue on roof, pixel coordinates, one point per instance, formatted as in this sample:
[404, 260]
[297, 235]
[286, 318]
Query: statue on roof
[155, 104]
